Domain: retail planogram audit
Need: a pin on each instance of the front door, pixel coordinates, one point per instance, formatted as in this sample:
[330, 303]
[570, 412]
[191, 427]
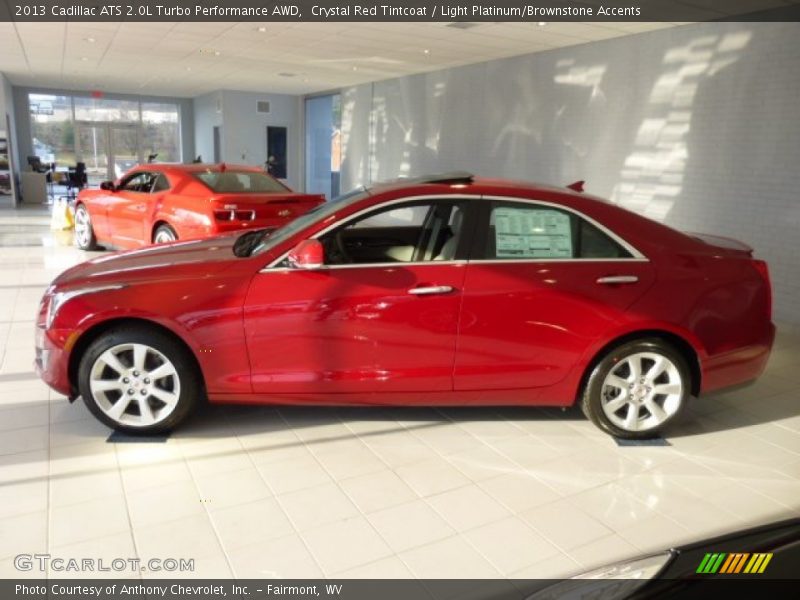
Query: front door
[129, 208]
[542, 284]
[380, 316]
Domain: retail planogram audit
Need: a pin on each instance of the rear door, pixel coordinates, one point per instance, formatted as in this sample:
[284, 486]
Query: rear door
[542, 283]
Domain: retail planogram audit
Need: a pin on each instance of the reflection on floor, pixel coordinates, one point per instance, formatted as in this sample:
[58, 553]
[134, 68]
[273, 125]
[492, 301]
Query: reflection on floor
[290, 492]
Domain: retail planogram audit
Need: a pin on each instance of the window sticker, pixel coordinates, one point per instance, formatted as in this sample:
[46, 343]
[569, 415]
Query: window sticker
[532, 233]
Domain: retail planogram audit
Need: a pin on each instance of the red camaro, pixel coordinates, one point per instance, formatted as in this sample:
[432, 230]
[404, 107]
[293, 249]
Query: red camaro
[157, 203]
[442, 291]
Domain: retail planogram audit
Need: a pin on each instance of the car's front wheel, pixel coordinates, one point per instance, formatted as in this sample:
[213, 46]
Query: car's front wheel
[637, 389]
[84, 232]
[139, 380]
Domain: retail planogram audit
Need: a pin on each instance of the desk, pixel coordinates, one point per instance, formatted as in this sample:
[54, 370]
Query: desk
[34, 187]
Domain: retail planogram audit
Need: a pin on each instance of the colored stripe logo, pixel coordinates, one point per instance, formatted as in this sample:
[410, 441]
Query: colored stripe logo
[733, 563]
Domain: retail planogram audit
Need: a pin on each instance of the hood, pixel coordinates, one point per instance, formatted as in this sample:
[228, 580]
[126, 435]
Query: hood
[189, 259]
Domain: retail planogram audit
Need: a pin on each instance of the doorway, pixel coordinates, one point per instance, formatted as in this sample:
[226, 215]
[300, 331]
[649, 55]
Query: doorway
[107, 149]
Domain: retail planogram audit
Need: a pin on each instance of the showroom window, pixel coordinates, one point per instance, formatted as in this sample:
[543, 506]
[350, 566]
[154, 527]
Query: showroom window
[52, 129]
[525, 232]
[109, 135]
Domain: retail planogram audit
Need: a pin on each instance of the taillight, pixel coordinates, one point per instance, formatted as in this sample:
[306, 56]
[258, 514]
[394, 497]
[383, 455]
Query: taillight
[761, 267]
[235, 215]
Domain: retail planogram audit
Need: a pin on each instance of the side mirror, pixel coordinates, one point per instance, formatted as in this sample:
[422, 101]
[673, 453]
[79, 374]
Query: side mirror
[108, 186]
[308, 255]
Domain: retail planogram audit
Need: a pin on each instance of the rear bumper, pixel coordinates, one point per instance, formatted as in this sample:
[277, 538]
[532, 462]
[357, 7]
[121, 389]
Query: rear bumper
[738, 366]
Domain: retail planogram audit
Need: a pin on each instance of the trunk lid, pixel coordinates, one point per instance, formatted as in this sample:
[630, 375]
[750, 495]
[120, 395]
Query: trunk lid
[718, 242]
[265, 206]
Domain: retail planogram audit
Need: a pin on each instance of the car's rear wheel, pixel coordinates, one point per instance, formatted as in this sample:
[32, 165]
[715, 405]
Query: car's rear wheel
[139, 380]
[84, 232]
[637, 389]
[164, 234]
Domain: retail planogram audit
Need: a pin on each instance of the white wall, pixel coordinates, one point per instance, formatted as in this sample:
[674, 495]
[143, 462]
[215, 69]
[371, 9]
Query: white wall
[698, 126]
[7, 108]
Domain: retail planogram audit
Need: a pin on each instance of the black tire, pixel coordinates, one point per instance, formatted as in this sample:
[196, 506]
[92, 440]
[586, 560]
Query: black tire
[592, 399]
[189, 379]
[164, 230]
[89, 241]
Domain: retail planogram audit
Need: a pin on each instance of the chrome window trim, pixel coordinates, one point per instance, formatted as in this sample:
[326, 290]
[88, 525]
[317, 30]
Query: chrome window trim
[636, 256]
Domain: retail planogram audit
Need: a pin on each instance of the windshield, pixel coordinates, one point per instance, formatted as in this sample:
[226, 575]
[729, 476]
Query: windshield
[241, 182]
[270, 239]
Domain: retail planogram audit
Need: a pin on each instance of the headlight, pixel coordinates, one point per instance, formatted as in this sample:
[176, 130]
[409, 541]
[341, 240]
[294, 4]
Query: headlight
[612, 582]
[57, 299]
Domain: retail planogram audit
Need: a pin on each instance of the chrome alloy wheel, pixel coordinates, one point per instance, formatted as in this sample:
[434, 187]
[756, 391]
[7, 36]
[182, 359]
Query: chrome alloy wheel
[83, 227]
[164, 236]
[135, 385]
[642, 391]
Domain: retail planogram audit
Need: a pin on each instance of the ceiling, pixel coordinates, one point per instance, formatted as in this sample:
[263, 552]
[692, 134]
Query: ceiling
[189, 59]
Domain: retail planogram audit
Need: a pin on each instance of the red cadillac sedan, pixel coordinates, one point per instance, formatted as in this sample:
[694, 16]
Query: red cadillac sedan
[447, 290]
[159, 203]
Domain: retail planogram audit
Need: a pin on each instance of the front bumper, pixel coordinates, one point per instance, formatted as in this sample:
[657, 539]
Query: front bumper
[52, 362]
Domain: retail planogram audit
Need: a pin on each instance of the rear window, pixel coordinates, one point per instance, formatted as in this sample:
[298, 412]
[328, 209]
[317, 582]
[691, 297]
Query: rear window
[241, 182]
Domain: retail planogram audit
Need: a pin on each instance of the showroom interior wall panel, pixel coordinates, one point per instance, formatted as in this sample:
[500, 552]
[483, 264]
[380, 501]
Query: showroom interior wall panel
[244, 130]
[7, 108]
[207, 115]
[696, 126]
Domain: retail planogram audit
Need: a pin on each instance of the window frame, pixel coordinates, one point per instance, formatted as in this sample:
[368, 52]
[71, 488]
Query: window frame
[470, 204]
[481, 233]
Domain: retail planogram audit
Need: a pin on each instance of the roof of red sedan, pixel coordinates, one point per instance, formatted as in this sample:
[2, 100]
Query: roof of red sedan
[197, 167]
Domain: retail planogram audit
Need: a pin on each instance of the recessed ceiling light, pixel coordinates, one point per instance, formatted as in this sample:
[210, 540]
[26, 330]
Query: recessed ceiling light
[285, 74]
[188, 68]
[542, 23]
[208, 51]
[84, 58]
[462, 25]
[355, 68]
[261, 29]
[90, 40]
[426, 52]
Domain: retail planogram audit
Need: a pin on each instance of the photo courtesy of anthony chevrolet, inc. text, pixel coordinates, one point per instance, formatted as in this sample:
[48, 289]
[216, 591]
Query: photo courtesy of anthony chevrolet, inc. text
[399, 300]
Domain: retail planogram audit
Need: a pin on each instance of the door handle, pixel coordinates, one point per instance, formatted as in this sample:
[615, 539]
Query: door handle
[430, 290]
[617, 279]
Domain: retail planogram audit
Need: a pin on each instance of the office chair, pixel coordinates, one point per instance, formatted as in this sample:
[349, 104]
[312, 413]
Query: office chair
[76, 180]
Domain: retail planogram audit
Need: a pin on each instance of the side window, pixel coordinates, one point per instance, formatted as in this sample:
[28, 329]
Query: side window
[524, 232]
[596, 244]
[141, 183]
[517, 231]
[161, 183]
[416, 232]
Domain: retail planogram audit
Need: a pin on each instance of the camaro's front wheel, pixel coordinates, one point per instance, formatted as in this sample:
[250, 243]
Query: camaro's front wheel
[84, 232]
[637, 389]
[138, 380]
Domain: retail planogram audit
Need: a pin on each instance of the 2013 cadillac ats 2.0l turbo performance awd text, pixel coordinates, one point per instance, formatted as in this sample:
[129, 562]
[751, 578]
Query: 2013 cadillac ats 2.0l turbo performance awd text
[447, 290]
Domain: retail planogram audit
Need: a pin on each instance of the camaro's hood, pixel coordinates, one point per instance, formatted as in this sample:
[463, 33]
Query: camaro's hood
[194, 258]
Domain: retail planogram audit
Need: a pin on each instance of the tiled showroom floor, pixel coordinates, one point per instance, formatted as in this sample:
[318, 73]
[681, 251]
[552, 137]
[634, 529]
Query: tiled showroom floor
[288, 492]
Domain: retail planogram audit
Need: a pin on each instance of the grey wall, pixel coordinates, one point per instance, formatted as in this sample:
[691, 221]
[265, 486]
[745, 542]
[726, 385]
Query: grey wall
[698, 126]
[25, 146]
[207, 115]
[244, 130]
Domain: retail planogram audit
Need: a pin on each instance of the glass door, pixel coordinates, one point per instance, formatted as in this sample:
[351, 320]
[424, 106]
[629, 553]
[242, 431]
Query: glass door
[125, 148]
[92, 148]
